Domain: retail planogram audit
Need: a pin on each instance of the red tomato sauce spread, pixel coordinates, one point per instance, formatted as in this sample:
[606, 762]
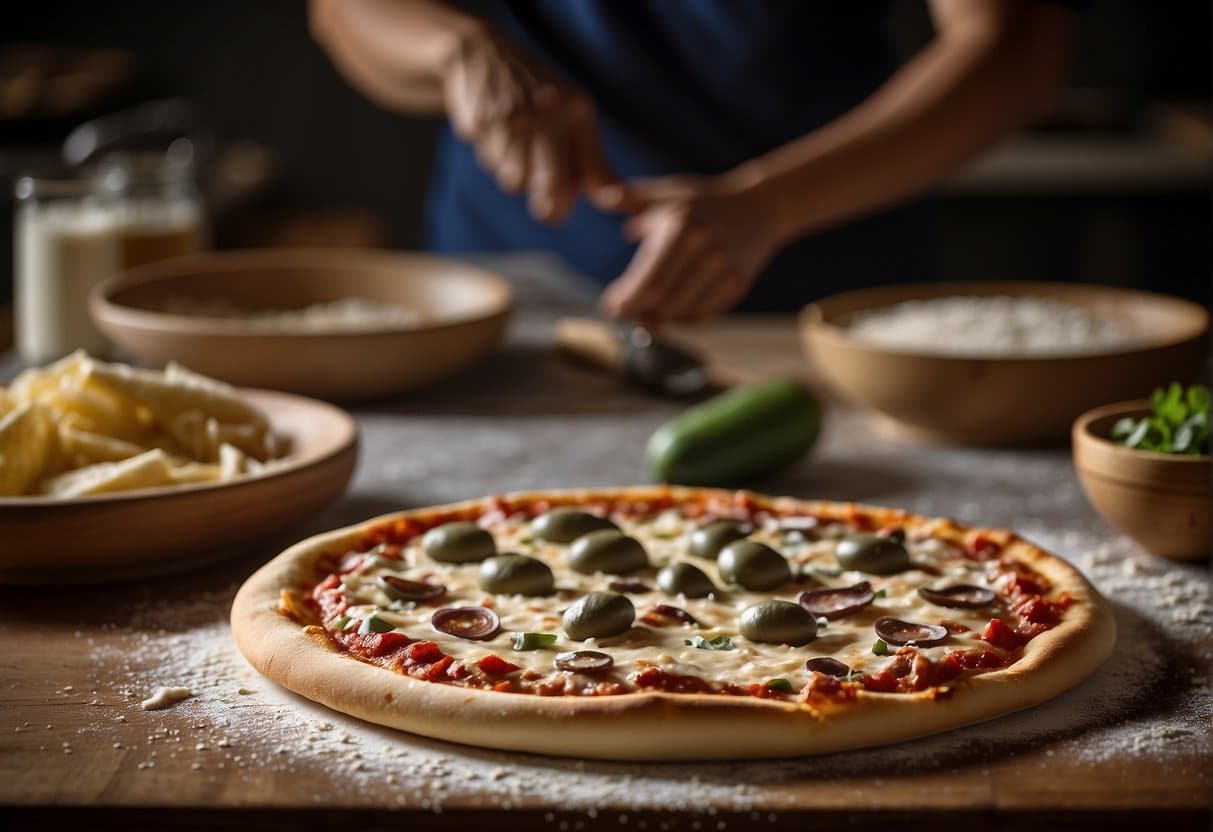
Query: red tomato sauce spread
[1024, 613]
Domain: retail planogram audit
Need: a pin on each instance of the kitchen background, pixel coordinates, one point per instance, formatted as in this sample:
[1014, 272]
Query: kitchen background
[1112, 189]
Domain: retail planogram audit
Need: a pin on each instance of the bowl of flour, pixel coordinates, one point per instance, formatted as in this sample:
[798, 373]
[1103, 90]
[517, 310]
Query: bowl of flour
[997, 363]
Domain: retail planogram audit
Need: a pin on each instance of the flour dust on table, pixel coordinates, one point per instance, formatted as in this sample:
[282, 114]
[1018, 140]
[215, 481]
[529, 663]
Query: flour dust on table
[237, 719]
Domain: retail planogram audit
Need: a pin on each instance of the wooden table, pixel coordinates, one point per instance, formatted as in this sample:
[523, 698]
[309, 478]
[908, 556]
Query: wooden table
[1129, 747]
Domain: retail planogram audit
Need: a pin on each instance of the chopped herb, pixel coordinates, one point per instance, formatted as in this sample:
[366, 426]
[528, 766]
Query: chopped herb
[533, 641]
[375, 624]
[665, 535]
[824, 572]
[340, 623]
[880, 593]
[880, 648]
[781, 685]
[1178, 424]
[526, 540]
[718, 643]
[854, 676]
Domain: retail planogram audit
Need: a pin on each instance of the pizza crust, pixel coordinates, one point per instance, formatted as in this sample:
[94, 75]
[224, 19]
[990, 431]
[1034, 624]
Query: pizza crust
[655, 725]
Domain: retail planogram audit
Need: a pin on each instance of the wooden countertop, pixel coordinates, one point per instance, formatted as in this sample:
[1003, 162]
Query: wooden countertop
[1129, 747]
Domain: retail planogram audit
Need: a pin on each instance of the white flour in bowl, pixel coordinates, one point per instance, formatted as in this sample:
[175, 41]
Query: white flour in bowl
[343, 315]
[998, 326]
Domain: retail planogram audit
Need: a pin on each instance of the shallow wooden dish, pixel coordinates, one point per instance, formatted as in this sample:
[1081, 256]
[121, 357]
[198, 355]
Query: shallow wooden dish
[1163, 501]
[1001, 401]
[464, 311]
[157, 530]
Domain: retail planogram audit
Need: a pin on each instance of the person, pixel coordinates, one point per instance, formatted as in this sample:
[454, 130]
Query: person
[697, 156]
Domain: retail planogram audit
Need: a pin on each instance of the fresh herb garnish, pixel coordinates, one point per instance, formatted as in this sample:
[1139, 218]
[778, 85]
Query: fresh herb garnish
[375, 624]
[824, 572]
[527, 540]
[781, 685]
[880, 593]
[533, 641]
[1179, 423]
[880, 648]
[718, 643]
[340, 624]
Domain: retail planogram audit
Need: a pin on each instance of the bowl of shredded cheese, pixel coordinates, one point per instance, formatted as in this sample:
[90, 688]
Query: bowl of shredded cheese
[997, 363]
[332, 323]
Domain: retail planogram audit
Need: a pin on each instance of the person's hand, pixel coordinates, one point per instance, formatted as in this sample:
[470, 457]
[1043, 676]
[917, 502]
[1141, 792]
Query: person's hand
[703, 241]
[534, 133]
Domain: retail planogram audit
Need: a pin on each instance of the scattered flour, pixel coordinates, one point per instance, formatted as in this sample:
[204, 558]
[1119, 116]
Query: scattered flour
[1151, 699]
[163, 697]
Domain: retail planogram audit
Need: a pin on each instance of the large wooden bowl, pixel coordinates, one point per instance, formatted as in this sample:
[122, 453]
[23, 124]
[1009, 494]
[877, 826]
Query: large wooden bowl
[463, 313]
[53, 540]
[1002, 401]
[1163, 501]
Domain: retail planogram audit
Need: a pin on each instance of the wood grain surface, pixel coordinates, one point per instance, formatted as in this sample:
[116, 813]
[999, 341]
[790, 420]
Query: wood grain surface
[76, 747]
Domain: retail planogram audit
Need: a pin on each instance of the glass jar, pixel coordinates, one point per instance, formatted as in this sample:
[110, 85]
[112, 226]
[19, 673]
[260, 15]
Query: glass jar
[153, 197]
[66, 241]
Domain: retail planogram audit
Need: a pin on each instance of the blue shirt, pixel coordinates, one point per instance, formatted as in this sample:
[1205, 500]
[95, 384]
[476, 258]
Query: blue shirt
[694, 86]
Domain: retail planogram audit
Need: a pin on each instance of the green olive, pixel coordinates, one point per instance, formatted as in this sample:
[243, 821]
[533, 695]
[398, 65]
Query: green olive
[753, 565]
[707, 541]
[564, 525]
[683, 578]
[460, 542]
[512, 574]
[873, 554]
[778, 622]
[607, 550]
[599, 615]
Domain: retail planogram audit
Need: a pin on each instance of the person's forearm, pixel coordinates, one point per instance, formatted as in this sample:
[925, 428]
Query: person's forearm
[962, 93]
[393, 51]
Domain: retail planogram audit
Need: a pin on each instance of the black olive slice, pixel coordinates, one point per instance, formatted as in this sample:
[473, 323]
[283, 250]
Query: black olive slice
[895, 631]
[961, 596]
[632, 585]
[828, 666]
[662, 614]
[835, 602]
[474, 623]
[403, 589]
[584, 661]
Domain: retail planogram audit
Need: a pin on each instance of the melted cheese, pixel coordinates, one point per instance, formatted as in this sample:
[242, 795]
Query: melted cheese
[666, 537]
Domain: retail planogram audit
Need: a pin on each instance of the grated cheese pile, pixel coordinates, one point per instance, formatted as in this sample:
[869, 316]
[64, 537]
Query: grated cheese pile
[992, 327]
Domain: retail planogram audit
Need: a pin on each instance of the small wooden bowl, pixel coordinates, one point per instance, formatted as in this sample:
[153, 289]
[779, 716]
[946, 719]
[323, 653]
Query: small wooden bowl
[1160, 500]
[1002, 401]
[463, 313]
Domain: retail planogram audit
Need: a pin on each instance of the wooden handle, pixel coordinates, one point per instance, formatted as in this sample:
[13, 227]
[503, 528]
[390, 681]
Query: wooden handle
[590, 341]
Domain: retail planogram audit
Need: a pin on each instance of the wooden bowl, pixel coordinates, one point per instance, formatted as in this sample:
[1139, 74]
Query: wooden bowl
[167, 529]
[1002, 401]
[1160, 500]
[463, 313]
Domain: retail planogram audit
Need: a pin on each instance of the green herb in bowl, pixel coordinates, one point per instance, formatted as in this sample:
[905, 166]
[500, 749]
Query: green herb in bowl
[1178, 424]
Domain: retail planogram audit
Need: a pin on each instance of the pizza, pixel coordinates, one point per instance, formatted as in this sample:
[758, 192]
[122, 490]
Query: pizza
[621, 623]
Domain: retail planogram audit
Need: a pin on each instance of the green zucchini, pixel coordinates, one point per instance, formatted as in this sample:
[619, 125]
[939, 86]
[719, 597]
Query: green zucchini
[739, 435]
